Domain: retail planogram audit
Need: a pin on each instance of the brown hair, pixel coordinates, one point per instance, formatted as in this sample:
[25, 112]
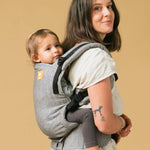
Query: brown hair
[79, 26]
[32, 41]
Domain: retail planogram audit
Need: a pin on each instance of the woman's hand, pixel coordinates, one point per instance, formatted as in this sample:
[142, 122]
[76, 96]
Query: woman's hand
[125, 131]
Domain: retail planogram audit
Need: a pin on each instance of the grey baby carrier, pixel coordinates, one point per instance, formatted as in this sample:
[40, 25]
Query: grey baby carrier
[50, 101]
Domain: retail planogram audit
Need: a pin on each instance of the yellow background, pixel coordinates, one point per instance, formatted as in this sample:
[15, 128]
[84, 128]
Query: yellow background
[18, 19]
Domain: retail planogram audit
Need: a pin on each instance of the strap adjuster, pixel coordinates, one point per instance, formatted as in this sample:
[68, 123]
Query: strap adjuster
[75, 100]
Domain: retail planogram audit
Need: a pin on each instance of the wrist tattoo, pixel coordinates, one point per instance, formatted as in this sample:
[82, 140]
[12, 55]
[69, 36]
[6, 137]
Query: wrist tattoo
[99, 110]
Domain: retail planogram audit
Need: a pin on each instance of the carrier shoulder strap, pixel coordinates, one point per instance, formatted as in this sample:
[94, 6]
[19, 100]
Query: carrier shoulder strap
[65, 60]
[60, 63]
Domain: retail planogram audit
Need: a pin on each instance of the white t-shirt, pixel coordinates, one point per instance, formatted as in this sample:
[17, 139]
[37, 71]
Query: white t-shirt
[91, 67]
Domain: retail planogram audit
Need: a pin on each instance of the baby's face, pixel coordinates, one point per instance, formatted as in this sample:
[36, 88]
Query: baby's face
[49, 49]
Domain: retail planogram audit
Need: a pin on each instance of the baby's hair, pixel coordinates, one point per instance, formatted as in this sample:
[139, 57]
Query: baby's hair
[32, 41]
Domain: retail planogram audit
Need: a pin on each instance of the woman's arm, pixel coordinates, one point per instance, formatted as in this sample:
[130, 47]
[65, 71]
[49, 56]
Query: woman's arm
[101, 103]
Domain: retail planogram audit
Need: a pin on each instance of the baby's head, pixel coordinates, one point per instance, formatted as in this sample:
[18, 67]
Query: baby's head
[43, 46]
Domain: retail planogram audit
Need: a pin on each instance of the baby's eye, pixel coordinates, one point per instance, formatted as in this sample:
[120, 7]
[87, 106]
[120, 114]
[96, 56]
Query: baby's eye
[57, 45]
[48, 48]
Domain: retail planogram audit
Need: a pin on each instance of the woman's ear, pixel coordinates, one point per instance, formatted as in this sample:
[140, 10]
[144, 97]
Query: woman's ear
[35, 58]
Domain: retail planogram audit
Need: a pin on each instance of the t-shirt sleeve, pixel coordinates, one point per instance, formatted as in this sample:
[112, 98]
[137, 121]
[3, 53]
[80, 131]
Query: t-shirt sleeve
[91, 67]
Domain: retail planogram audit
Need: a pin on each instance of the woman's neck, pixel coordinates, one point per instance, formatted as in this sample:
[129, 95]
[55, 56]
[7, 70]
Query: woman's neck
[102, 36]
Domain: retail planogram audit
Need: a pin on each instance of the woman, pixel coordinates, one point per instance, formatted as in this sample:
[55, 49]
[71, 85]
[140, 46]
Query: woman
[96, 21]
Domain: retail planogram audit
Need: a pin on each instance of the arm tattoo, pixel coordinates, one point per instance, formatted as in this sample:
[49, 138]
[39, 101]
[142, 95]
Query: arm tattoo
[99, 110]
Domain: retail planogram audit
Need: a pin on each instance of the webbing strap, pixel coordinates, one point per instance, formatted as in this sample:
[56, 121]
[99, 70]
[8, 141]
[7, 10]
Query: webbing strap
[75, 100]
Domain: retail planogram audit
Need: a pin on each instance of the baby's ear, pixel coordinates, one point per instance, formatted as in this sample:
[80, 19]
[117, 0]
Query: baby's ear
[35, 58]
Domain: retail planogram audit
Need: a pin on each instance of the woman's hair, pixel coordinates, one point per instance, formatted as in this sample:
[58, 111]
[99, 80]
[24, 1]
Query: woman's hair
[79, 26]
[32, 41]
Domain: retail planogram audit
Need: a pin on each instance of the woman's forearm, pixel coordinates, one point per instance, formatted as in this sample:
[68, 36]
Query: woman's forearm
[110, 125]
[101, 102]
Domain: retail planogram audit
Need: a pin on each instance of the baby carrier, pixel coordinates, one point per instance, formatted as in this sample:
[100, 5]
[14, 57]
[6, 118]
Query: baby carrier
[50, 101]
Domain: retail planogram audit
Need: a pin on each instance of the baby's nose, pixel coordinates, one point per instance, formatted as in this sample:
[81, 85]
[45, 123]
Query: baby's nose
[54, 50]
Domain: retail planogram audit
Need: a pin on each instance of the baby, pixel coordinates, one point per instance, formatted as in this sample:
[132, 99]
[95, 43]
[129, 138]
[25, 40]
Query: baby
[43, 46]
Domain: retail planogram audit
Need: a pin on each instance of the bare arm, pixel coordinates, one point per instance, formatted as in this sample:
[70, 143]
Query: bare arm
[101, 103]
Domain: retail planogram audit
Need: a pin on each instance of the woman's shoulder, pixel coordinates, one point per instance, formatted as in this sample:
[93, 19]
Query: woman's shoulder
[94, 55]
[92, 59]
[91, 67]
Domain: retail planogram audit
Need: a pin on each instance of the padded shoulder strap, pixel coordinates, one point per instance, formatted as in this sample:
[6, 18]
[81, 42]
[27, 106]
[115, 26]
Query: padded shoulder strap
[70, 56]
[61, 61]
